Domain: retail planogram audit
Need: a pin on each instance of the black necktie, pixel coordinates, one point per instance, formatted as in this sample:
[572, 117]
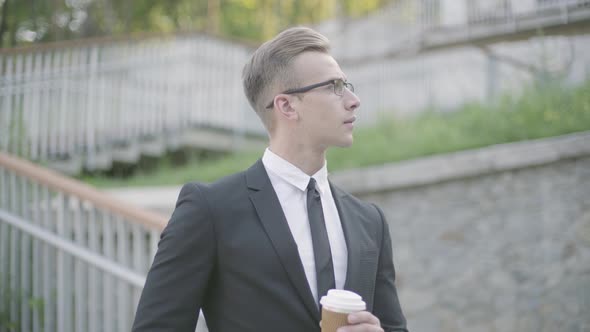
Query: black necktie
[321, 244]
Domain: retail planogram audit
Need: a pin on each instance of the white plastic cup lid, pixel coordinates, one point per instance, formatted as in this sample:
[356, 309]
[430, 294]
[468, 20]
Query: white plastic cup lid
[344, 301]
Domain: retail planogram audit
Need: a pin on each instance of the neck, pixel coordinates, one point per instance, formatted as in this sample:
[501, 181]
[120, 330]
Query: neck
[306, 158]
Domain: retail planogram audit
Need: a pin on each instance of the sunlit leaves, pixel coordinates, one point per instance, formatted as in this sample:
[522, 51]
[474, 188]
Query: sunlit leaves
[254, 20]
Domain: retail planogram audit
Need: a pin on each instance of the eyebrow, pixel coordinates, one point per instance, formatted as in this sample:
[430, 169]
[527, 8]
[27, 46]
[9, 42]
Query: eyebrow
[329, 79]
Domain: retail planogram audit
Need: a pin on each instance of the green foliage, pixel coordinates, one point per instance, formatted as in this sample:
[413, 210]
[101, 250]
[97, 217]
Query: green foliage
[35, 304]
[6, 323]
[8, 295]
[254, 20]
[540, 112]
[357, 8]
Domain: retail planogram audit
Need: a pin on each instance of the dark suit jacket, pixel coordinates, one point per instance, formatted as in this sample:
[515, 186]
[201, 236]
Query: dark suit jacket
[228, 250]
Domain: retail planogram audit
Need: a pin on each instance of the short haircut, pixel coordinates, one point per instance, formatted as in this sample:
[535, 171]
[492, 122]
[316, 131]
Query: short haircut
[268, 72]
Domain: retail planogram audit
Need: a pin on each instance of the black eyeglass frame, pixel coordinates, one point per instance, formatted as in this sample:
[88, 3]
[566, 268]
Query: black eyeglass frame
[304, 89]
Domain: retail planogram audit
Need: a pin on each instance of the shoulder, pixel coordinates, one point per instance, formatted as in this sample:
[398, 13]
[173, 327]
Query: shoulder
[224, 192]
[228, 182]
[224, 187]
[198, 202]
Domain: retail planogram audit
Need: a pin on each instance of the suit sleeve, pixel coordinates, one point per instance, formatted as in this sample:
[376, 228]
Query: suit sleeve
[386, 303]
[177, 281]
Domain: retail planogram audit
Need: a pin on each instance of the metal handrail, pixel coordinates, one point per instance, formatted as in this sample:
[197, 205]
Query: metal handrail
[73, 258]
[56, 181]
[79, 252]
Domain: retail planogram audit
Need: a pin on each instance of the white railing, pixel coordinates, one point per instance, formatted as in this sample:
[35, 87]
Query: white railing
[447, 13]
[404, 26]
[71, 258]
[69, 100]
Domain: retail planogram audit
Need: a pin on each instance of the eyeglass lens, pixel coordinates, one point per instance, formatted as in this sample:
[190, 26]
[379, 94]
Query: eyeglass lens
[339, 86]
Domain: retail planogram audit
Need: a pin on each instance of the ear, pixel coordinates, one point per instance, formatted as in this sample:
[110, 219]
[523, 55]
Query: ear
[285, 108]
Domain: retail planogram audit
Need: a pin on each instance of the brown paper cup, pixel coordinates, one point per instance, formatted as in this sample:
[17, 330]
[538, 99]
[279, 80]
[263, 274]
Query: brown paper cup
[332, 320]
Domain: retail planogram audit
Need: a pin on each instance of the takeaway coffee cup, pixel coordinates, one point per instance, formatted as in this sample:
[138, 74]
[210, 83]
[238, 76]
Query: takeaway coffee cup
[336, 306]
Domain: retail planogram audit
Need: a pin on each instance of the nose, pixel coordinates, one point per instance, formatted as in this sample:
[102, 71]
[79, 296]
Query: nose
[352, 101]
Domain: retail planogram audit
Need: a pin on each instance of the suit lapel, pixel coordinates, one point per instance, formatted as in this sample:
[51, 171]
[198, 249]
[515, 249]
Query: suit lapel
[273, 220]
[350, 227]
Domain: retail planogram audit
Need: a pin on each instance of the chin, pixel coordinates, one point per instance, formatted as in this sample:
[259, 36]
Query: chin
[345, 143]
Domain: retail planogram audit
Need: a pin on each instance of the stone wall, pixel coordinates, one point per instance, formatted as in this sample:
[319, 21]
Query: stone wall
[495, 239]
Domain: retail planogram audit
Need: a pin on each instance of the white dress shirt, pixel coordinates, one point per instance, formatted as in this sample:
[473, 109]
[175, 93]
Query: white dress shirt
[290, 184]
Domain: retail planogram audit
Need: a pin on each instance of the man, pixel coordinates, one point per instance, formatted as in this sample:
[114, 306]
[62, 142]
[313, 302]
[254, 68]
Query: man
[257, 250]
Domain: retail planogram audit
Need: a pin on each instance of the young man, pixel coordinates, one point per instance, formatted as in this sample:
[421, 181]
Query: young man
[257, 250]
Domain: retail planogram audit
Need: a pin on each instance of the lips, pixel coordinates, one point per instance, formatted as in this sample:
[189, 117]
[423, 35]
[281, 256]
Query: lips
[351, 120]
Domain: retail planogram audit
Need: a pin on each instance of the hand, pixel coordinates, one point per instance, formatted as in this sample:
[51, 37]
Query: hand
[363, 321]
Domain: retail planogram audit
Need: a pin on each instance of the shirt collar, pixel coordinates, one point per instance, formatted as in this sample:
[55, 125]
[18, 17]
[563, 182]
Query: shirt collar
[293, 175]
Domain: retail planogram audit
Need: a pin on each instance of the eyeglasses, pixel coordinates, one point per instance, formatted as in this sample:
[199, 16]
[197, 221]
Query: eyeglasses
[339, 85]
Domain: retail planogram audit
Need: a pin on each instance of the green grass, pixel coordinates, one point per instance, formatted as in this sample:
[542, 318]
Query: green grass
[167, 174]
[538, 113]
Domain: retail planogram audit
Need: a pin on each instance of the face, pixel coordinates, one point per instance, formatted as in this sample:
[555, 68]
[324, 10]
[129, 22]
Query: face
[324, 119]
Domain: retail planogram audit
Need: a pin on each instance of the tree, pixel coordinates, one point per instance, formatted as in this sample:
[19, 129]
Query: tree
[3, 23]
[31, 21]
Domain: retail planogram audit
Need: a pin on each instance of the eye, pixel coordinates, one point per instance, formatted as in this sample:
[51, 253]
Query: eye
[338, 86]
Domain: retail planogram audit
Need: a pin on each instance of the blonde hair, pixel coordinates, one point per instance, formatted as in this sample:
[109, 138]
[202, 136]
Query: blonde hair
[268, 72]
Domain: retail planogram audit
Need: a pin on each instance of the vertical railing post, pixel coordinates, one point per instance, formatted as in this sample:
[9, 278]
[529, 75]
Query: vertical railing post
[23, 65]
[37, 261]
[25, 263]
[80, 268]
[45, 107]
[90, 107]
[107, 285]
[75, 112]
[140, 256]
[18, 144]
[14, 258]
[65, 120]
[93, 275]
[49, 265]
[33, 120]
[64, 268]
[119, 118]
[123, 293]
[6, 104]
[5, 112]
[102, 113]
[4, 244]
[51, 100]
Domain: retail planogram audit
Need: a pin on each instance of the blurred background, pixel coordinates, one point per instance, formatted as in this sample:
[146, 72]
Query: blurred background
[473, 136]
